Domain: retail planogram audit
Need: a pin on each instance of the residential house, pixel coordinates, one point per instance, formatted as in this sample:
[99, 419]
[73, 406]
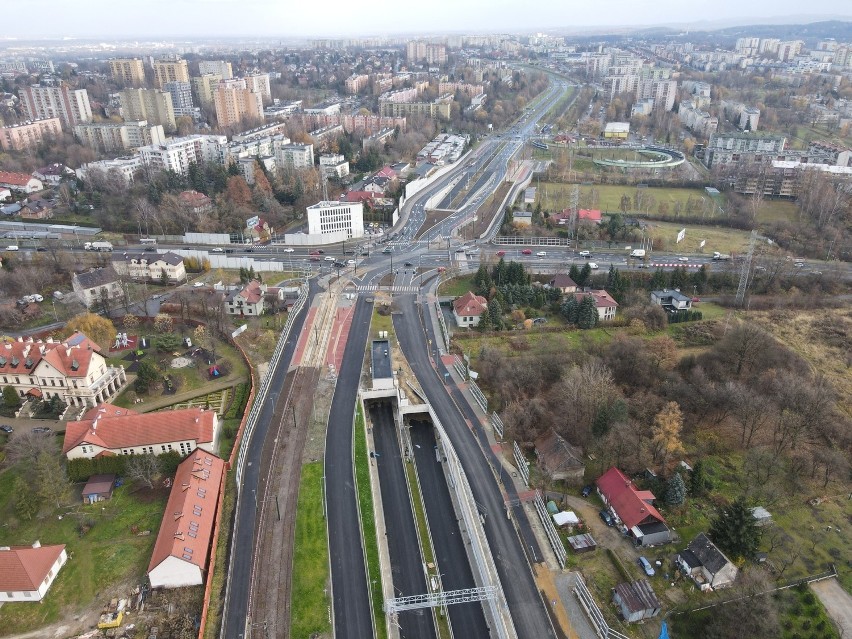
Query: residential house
[634, 508]
[195, 202]
[260, 231]
[564, 283]
[183, 543]
[53, 174]
[110, 430]
[468, 309]
[73, 370]
[247, 301]
[591, 216]
[37, 210]
[671, 300]
[636, 600]
[11, 209]
[26, 572]
[98, 488]
[376, 184]
[96, 286]
[145, 266]
[558, 459]
[604, 303]
[20, 182]
[5, 194]
[706, 565]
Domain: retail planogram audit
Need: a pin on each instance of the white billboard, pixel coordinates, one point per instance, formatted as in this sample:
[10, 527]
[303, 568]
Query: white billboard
[252, 222]
[680, 236]
[702, 243]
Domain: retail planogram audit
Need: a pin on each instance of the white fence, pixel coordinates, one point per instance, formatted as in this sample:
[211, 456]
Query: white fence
[521, 463]
[550, 529]
[263, 387]
[497, 424]
[444, 332]
[207, 238]
[458, 364]
[478, 396]
[512, 240]
[594, 613]
[218, 260]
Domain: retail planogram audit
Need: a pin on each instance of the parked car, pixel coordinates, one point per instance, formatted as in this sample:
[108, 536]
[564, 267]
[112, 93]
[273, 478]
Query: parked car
[526, 252]
[587, 490]
[37, 298]
[585, 253]
[646, 566]
[540, 320]
[198, 284]
[7, 429]
[43, 430]
[607, 518]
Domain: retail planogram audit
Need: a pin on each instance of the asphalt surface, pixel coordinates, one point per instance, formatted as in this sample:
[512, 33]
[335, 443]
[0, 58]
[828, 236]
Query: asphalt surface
[526, 606]
[405, 562]
[239, 575]
[350, 595]
[467, 620]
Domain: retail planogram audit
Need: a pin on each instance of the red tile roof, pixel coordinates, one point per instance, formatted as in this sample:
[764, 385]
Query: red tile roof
[591, 215]
[16, 179]
[24, 568]
[146, 429]
[193, 198]
[632, 506]
[187, 526]
[252, 293]
[470, 305]
[61, 355]
[358, 196]
[601, 297]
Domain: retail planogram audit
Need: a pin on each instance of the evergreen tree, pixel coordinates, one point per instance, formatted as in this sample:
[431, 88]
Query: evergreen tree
[26, 501]
[659, 280]
[699, 278]
[495, 314]
[233, 169]
[735, 531]
[584, 275]
[570, 309]
[482, 281]
[587, 314]
[500, 273]
[698, 482]
[10, 398]
[675, 490]
[574, 273]
[679, 277]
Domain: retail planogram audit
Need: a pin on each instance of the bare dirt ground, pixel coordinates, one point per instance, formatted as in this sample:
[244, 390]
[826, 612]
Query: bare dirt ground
[837, 602]
[281, 464]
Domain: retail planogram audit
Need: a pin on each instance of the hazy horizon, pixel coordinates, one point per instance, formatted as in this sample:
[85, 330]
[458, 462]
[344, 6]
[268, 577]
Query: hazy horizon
[110, 19]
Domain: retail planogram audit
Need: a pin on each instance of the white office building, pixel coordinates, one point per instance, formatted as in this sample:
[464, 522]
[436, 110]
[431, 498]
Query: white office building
[339, 219]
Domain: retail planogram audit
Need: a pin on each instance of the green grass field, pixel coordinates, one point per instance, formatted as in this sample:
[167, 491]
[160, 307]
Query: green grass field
[309, 601]
[456, 286]
[717, 238]
[109, 554]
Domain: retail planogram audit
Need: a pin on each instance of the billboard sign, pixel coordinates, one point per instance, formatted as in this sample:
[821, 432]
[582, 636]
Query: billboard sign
[702, 243]
[680, 236]
[252, 222]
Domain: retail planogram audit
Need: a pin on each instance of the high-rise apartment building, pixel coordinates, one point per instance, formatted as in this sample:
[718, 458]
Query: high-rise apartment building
[170, 70]
[205, 87]
[357, 83]
[418, 51]
[259, 82]
[235, 102]
[181, 93]
[127, 71]
[18, 137]
[177, 154]
[71, 106]
[118, 136]
[219, 67]
[148, 104]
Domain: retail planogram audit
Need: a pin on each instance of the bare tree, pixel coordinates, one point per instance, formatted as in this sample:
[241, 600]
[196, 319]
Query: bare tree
[144, 469]
[24, 448]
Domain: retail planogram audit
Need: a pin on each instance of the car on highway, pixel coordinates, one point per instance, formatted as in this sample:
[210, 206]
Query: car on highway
[409, 264]
[349, 252]
[314, 253]
[315, 258]
[328, 258]
[646, 566]
[593, 266]
[541, 254]
[585, 253]
[799, 264]
[526, 252]
[501, 253]
[683, 259]
[338, 264]
[12, 247]
[218, 249]
[350, 262]
[387, 250]
[41, 249]
[7, 429]
[287, 250]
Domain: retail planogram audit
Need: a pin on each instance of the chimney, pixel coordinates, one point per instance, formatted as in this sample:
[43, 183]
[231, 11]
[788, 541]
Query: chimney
[36, 544]
[26, 351]
[68, 351]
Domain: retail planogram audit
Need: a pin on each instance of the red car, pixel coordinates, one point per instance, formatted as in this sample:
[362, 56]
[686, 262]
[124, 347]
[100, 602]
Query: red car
[527, 252]
[501, 253]
[315, 252]
[315, 258]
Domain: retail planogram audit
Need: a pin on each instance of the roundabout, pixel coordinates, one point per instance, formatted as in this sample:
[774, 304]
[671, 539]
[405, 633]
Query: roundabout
[648, 157]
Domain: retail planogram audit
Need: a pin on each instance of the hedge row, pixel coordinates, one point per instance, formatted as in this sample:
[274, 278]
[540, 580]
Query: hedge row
[81, 469]
[238, 402]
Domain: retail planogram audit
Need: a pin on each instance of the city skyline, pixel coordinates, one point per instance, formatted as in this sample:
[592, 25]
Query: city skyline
[268, 18]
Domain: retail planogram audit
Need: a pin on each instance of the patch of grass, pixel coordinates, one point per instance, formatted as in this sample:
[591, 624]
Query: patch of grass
[555, 196]
[229, 434]
[368, 522]
[718, 238]
[108, 554]
[381, 322]
[456, 286]
[220, 570]
[309, 597]
[812, 621]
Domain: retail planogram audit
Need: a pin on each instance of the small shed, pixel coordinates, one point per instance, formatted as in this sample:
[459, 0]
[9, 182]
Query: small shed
[98, 488]
[762, 517]
[582, 543]
[636, 600]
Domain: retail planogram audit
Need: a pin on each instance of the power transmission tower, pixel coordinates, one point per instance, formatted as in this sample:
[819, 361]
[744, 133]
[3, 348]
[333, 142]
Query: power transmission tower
[746, 270]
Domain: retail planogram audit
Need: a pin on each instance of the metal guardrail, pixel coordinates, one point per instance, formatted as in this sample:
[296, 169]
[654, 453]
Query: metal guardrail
[497, 424]
[478, 396]
[444, 332]
[594, 613]
[521, 463]
[550, 529]
[512, 240]
[458, 364]
[260, 397]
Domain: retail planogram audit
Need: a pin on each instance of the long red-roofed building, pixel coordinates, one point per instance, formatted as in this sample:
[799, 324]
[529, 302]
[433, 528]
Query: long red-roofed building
[634, 507]
[110, 430]
[183, 544]
[26, 572]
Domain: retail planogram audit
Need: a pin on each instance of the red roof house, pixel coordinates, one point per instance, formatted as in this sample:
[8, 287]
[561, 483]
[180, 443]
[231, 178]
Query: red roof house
[183, 543]
[22, 182]
[195, 201]
[604, 302]
[468, 309]
[110, 430]
[26, 572]
[634, 507]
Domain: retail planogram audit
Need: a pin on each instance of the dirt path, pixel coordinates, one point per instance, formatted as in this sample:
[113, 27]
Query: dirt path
[269, 601]
[837, 602]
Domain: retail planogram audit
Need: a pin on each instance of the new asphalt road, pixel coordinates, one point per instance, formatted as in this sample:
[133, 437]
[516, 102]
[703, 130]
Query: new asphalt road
[527, 608]
[350, 593]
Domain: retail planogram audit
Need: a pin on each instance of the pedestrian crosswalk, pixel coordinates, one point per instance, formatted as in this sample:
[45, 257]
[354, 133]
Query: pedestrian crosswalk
[367, 288]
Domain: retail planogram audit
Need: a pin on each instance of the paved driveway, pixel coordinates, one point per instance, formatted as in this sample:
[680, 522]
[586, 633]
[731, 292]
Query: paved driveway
[837, 602]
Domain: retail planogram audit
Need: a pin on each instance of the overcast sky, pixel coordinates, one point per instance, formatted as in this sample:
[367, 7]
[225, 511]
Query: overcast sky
[289, 18]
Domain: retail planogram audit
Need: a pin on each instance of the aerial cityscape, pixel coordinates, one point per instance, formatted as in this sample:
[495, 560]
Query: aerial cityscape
[472, 320]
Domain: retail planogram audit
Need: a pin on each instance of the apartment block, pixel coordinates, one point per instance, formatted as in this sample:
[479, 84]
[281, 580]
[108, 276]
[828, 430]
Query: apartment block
[432, 110]
[152, 105]
[334, 166]
[731, 148]
[217, 67]
[357, 83]
[18, 137]
[235, 102]
[181, 93]
[259, 83]
[125, 167]
[176, 154]
[418, 51]
[205, 87]
[297, 156]
[119, 136]
[170, 70]
[127, 71]
[71, 106]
